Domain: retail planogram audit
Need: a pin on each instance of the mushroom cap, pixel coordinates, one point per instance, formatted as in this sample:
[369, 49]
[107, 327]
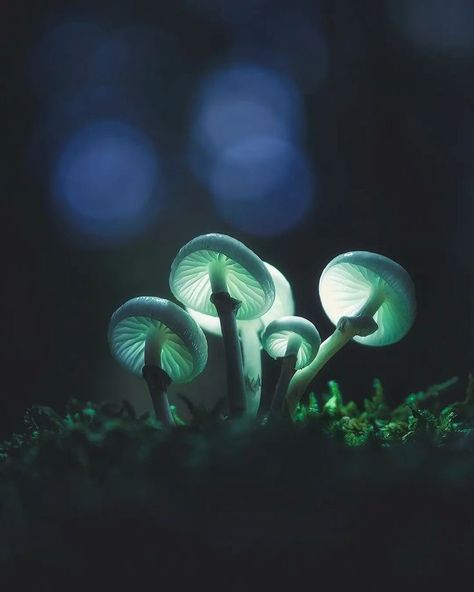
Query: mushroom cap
[247, 278]
[276, 336]
[350, 279]
[183, 344]
[283, 305]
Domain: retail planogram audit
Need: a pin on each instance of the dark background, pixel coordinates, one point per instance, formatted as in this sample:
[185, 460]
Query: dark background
[387, 128]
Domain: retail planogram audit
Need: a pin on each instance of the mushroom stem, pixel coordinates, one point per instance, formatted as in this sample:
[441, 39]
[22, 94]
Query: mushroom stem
[287, 372]
[217, 276]
[227, 307]
[252, 367]
[158, 381]
[372, 304]
[153, 348]
[346, 329]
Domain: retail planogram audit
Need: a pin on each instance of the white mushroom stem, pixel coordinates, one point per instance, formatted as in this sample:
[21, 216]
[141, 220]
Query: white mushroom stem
[252, 366]
[362, 323]
[217, 277]
[286, 373]
[157, 379]
[227, 308]
[153, 348]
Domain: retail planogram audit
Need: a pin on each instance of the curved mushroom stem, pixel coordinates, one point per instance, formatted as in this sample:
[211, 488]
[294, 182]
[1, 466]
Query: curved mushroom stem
[157, 379]
[346, 329]
[287, 371]
[227, 307]
[252, 367]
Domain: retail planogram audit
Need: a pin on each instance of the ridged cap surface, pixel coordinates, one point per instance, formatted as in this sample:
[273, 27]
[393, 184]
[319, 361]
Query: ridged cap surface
[247, 278]
[350, 279]
[183, 344]
[276, 336]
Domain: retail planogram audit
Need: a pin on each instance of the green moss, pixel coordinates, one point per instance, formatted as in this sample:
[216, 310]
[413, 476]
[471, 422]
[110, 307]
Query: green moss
[420, 416]
[97, 476]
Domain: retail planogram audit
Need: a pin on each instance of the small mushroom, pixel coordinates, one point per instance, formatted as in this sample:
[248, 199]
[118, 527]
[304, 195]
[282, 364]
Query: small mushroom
[250, 333]
[218, 275]
[294, 340]
[369, 298]
[155, 338]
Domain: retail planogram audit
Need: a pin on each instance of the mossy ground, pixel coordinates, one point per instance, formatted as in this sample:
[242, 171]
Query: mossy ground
[375, 488]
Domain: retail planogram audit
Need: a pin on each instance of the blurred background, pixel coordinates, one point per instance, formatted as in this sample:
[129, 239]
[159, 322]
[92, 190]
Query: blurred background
[304, 129]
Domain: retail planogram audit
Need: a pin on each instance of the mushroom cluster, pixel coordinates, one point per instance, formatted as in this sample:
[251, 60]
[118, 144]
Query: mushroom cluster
[228, 291]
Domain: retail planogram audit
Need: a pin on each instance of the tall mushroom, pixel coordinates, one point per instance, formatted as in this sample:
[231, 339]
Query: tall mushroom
[250, 335]
[155, 338]
[369, 298]
[218, 275]
[296, 342]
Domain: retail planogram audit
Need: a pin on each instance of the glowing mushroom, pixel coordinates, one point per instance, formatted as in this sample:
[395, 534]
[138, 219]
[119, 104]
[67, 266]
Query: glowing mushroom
[296, 341]
[218, 275]
[155, 338]
[369, 298]
[250, 333]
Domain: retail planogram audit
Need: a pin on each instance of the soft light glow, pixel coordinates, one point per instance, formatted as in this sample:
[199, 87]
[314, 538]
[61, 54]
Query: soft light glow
[106, 183]
[240, 273]
[292, 335]
[283, 305]
[148, 324]
[361, 282]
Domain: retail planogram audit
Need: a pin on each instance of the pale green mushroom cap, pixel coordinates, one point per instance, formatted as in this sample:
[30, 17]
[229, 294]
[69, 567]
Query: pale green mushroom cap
[182, 342]
[235, 267]
[351, 279]
[283, 305]
[280, 333]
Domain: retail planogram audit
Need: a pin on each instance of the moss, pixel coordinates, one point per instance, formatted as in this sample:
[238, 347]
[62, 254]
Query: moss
[323, 486]
[419, 416]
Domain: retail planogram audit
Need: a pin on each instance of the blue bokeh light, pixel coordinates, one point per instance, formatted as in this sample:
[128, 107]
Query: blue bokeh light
[241, 102]
[251, 169]
[106, 184]
[87, 71]
[247, 127]
[66, 115]
[232, 121]
[263, 187]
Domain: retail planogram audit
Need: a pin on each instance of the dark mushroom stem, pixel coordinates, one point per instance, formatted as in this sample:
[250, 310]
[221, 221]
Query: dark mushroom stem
[278, 406]
[227, 308]
[158, 382]
[287, 371]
